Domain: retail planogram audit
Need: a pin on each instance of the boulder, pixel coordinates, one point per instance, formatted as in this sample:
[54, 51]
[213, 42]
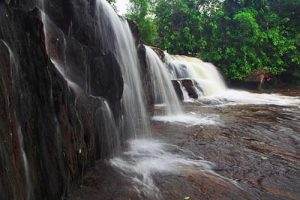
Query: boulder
[190, 87]
[176, 85]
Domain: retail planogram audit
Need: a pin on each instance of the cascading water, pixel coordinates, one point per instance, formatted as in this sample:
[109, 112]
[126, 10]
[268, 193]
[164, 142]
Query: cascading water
[205, 74]
[14, 73]
[58, 60]
[163, 89]
[146, 158]
[108, 139]
[107, 133]
[117, 37]
[207, 80]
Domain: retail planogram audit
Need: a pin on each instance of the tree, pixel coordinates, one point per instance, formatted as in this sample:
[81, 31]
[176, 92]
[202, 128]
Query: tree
[239, 36]
[140, 12]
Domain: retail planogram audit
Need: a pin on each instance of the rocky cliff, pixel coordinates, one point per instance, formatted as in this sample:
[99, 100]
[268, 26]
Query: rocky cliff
[51, 116]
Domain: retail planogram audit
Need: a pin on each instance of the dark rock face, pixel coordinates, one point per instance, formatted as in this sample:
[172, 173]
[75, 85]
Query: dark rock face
[73, 39]
[146, 77]
[107, 81]
[38, 113]
[48, 133]
[160, 53]
[178, 90]
[190, 88]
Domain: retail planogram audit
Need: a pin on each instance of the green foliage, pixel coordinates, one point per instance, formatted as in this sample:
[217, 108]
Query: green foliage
[239, 36]
[140, 13]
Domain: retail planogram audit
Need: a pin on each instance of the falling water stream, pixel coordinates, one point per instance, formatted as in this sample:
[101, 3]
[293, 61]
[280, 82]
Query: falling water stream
[150, 151]
[144, 157]
[163, 89]
[15, 73]
[117, 37]
[206, 74]
[208, 79]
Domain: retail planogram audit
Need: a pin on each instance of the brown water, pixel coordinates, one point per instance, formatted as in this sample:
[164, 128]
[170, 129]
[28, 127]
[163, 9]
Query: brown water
[255, 150]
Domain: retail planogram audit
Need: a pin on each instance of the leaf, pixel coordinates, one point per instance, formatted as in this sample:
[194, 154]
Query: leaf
[187, 198]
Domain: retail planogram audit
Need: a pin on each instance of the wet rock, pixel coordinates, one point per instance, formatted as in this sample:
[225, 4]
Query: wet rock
[26, 5]
[42, 120]
[146, 77]
[106, 80]
[135, 31]
[178, 90]
[42, 117]
[159, 52]
[190, 88]
[42, 132]
[75, 42]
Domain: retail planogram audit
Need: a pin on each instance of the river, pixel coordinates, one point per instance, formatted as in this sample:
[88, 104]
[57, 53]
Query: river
[247, 151]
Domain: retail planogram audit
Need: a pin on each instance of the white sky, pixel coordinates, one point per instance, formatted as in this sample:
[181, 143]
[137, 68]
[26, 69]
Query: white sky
[122, 6]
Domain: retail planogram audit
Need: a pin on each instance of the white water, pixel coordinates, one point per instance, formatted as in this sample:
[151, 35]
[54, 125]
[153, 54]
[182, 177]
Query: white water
[206, 74]
[164, 90]
[25, 163]
[71, 84]
[117, 38]
[214, 88]
[109, 142]
[162, 86]
[188, 119]
[234, 97]
[145, 159]
[14, 73]
[51, 32]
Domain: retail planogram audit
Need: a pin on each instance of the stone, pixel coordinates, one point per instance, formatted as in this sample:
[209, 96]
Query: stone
[190, 88]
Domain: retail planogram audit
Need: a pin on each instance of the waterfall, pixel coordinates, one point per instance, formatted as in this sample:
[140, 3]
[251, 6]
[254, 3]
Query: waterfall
[108, 139]
[162, 86]
[208, 84]
[113, 37]
[184, 92]
[71, 84]
[14, 73]
[117, 37]
[206, 75]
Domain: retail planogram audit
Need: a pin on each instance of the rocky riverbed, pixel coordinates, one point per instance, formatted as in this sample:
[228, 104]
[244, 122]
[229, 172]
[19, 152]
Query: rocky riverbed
[253, 151]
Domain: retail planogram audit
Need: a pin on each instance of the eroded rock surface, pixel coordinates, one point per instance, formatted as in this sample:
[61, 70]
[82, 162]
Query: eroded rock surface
[50, 130]
[255, 149]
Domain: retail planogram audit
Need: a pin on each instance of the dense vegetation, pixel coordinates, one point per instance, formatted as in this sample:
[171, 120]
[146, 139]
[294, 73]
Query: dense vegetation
[239, 36]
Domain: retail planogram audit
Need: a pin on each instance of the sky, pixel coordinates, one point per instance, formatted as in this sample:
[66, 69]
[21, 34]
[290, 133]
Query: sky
[122, 5]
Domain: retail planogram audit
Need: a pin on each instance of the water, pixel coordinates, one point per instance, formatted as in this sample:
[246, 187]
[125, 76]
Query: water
[108, 142]
[205, 74]
[164, 91]
[208, 80]
[108, 138]
[188, 119]
[15, 73]
[117, 38]
[147, 158]
[162, 86]
[57, 51]
[29, 194]
[71, 84]
[185, 94]
[239, 97]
